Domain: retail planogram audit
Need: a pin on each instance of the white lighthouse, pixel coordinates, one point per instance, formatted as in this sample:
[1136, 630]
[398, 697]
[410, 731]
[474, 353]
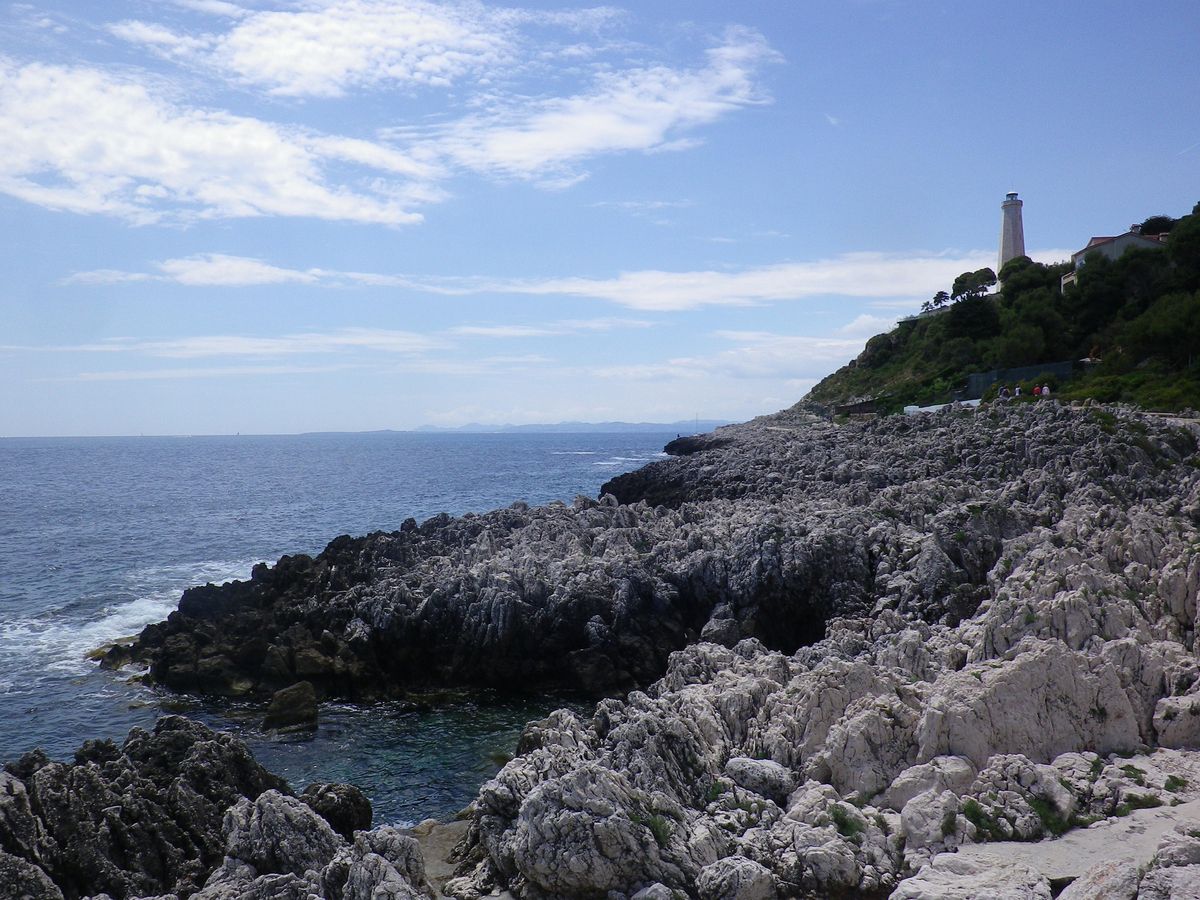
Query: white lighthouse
[1012, 231]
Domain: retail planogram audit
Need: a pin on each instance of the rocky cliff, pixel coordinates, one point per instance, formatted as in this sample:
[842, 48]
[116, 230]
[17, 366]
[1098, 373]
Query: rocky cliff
[1027, 659]
[848, 648]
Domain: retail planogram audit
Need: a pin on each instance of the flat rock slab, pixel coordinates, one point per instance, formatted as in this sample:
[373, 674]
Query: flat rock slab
[1134, 838]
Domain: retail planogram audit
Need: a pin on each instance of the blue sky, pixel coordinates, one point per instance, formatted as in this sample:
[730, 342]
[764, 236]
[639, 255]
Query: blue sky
[293, 215]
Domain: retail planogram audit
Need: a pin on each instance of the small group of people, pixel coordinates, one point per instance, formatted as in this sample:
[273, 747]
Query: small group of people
[1006, 394]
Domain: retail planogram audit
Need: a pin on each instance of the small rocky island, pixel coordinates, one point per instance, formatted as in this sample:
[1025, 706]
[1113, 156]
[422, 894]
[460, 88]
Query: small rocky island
[827, 654]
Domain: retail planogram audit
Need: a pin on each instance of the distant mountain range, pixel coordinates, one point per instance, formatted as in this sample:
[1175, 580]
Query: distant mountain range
[690, 426]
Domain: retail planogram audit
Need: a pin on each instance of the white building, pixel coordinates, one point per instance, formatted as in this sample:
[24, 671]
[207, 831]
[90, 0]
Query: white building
[1113, 247]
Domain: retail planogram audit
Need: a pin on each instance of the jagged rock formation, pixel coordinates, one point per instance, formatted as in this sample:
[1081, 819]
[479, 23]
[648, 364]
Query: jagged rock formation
[775, 530]
[1034, 576]
[877, 642]
[186, 812]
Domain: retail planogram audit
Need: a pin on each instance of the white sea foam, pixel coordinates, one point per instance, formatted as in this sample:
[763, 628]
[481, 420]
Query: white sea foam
[572, 452]
[622, 460]
[58, 641]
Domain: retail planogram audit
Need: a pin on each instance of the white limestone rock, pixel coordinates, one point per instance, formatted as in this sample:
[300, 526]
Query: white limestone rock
[1177, 883]
[942, 773]
[929, 818]
[949, 877]
[762, 776]
[1114, 880]
[655, 891]
[736, 878]
[1180, 847]
[279, 834]
[1177, 722]
[1042, 700]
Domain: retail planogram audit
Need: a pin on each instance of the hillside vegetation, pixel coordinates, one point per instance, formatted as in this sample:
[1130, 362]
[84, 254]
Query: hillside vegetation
[1138, 315]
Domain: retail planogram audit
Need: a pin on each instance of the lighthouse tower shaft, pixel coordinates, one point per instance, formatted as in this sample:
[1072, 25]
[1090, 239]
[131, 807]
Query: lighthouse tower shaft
[1012, 231]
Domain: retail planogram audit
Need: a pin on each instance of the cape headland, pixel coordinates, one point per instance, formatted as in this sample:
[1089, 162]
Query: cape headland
[831, 652]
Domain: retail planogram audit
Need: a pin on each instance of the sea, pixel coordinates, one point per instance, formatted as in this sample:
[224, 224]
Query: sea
[100, 536]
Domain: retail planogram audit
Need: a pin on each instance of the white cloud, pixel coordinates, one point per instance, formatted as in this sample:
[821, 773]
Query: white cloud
[471, 367]
[565, 326]
[867, 325]
[213, 7]
[326, 47]
[755, 355]
[225, 270]
[88, 141]
[341, 340]
[634, 110]
[883, 277]
[159, 39]
[193, 373]
[216, 269]
[852, 274]
[323, 48]
[93, 141]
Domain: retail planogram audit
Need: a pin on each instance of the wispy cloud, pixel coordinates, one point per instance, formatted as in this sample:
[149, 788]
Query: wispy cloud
[325, 48]
[549, 329]
[342, 340]
[90, 141]
[213, 7]
[204, 270]
[471, 367]
[852, 275]
[753, 355]
[880, 276]
[867, 325]
[98, 141]
[642, 109]
[188, 374]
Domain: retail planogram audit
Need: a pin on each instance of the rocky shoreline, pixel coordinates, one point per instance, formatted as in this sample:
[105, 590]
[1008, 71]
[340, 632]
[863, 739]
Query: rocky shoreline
[831, 653]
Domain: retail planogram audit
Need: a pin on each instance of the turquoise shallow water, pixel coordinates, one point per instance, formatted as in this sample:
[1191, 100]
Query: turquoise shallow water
[99, 536]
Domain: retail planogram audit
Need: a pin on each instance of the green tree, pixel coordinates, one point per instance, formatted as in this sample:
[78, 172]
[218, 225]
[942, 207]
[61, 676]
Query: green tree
[974, 316]
[1169, 330]
[1156, 225]
[1183, 248]
[972, 284]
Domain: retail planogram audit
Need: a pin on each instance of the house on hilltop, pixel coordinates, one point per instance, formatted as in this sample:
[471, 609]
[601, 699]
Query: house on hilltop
[1113, 247]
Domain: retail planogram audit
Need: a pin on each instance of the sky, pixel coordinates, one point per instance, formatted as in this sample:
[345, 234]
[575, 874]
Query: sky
[277, 216]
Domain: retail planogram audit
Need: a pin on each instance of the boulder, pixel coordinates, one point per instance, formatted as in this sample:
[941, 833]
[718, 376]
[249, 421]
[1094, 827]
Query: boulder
[292, 708]
[942, 773]
[343, 806]
[22, 880]
[139, 819]
[277, 833]
[1181, 883]
[762, 776]
[1177, 722]
[736, 878]
[949, 877]
[1114, 880]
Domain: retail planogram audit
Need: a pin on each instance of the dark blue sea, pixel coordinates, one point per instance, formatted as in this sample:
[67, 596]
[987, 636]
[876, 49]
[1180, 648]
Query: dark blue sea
[99, 536]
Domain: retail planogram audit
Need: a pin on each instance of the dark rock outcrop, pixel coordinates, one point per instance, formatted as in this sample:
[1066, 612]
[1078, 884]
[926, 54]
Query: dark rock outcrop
[343, 806]
[140, 819]
[768, 530]
[292, 708]
[187, 812]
